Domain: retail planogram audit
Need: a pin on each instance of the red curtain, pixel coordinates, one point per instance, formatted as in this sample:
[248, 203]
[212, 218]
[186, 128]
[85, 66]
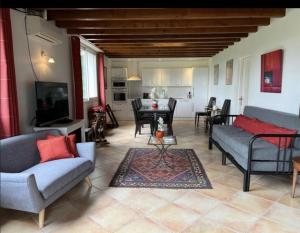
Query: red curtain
[77, 77]
[9, 115]
[102, 99]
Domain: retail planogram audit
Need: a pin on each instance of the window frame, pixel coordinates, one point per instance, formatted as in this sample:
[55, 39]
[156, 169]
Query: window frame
[87, 98]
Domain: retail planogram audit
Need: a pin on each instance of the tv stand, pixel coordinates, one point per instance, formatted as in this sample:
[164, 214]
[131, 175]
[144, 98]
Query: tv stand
[64, 121]
[66, 128]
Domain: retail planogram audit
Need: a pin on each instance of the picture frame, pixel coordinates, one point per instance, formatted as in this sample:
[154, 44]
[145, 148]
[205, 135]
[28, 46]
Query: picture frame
[216, 74]
[271, 72]
[229, 72]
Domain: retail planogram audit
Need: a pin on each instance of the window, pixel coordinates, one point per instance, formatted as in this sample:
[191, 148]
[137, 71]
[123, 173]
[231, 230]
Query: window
[89, 74]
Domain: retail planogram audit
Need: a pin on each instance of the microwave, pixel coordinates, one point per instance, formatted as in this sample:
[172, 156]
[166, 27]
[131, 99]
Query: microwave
[119, 95]
[119, 83]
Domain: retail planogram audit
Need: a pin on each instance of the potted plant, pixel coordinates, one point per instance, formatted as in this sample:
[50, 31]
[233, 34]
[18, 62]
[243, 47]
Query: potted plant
[160, 128]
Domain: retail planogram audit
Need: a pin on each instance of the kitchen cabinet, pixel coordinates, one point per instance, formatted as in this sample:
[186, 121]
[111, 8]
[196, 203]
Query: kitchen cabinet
[119, 72]
[171, 77]
[184, 108]
[123, 110]
[177, 77]
[187, 77]
[151, 77]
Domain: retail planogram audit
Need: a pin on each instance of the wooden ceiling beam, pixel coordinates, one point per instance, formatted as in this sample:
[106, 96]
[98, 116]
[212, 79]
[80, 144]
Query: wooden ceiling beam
[167, 40]
[142, 24]
[164, 13]
[164, 37]
[165, 31]
[163, 45]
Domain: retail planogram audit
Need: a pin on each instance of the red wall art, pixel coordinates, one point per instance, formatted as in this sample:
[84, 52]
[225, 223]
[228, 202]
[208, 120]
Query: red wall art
[271, 71]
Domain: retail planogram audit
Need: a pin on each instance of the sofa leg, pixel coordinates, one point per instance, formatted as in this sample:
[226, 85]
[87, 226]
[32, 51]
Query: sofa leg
[41, 218]
[210, 144]
[88, 181]
[223, 158]
[246, 184]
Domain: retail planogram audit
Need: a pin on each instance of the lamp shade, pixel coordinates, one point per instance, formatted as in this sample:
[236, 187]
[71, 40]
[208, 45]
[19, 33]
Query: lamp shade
[134, 78]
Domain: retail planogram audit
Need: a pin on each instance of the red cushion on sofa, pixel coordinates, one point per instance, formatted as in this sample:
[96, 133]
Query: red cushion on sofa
[274, 129]
[71, 143]
[53, 148]
[255, 126]
[246, 123]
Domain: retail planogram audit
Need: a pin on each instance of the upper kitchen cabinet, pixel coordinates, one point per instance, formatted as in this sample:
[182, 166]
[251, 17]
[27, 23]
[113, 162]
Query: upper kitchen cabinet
[170, 77]
[187, 77]
[177, 77]
[151, 77]
[119, 73]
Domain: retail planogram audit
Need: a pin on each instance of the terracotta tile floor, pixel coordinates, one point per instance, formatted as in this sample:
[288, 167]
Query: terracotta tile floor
[268, 207]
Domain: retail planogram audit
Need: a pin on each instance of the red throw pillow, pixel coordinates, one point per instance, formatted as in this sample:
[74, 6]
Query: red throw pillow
[53, 148]
[71, 142]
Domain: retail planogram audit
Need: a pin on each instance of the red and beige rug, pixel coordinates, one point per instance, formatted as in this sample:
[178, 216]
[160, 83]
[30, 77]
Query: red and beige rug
[136, 170]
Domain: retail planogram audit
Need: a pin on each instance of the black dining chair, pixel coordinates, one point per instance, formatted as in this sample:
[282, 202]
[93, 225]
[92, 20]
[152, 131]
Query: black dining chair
[139, 120]
[139, 103]
[171, 116]
[206, 111]
[220, 118]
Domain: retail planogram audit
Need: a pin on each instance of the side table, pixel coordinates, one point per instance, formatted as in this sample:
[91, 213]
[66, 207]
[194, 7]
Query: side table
[296, 166]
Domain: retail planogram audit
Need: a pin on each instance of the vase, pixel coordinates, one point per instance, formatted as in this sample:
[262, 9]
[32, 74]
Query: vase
[159, 134]
[154, 105]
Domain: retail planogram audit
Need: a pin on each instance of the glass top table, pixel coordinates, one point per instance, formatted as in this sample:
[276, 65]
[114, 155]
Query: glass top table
[162, 145]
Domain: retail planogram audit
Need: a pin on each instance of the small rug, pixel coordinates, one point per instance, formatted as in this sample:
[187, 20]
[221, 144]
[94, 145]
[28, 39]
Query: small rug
[138, 170]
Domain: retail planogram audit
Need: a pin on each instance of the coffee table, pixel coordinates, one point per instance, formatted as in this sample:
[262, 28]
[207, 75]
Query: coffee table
[162, 145]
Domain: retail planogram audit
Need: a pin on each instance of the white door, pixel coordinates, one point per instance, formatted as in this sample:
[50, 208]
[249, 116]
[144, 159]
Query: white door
[243, 84]
[200, 88]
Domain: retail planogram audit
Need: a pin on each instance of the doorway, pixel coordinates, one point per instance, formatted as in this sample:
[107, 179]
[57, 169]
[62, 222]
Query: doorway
[243, 83]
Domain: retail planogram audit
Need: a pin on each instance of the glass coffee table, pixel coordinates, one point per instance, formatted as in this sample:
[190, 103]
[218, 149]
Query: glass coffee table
[162, 145]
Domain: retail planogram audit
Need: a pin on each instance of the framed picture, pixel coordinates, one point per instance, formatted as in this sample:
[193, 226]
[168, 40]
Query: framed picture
[229, 72]
[105, 77]
[216, 74]
[271, 71]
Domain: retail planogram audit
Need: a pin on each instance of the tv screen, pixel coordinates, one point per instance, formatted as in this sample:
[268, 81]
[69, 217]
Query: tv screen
[52, 102]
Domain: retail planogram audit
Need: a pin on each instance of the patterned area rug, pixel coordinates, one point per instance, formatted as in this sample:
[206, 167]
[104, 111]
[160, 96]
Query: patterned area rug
[138, 170]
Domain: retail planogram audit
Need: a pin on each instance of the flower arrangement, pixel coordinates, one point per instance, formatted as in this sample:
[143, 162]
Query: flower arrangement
[154, 103]
[160, 128]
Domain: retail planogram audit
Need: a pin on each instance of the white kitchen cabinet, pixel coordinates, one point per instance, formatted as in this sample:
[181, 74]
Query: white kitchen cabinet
[184, 108]
[187, 77]
[123, 110]
[119, 72]
[151, 77]
[171, 77]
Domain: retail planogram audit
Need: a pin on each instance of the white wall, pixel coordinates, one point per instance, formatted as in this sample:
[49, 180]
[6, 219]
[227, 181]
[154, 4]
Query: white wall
[60, 71]
[282, 33]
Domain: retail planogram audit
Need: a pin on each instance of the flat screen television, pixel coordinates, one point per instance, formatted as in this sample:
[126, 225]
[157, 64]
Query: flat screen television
[51, 101]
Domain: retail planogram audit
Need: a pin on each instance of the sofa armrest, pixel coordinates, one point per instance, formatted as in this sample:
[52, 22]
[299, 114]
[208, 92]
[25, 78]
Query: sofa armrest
[87, 150]
[279, 148]
[19, 191]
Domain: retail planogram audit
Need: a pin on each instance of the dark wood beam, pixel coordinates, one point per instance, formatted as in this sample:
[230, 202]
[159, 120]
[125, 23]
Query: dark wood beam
[164, 13]
[162, 44]
[112, 50]
[142, 24]
[166, 31]
[164, 37]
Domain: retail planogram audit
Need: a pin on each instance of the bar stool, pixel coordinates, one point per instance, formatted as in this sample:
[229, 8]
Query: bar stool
[296, 165]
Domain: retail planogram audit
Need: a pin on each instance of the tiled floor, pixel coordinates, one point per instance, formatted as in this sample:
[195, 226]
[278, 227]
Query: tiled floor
[268, 207]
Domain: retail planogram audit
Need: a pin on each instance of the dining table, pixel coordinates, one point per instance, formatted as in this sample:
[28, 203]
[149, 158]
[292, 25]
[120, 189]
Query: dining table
[155, 111]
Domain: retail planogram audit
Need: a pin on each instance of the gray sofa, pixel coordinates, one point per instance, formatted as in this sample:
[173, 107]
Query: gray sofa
[250, 153]
[31, 186]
